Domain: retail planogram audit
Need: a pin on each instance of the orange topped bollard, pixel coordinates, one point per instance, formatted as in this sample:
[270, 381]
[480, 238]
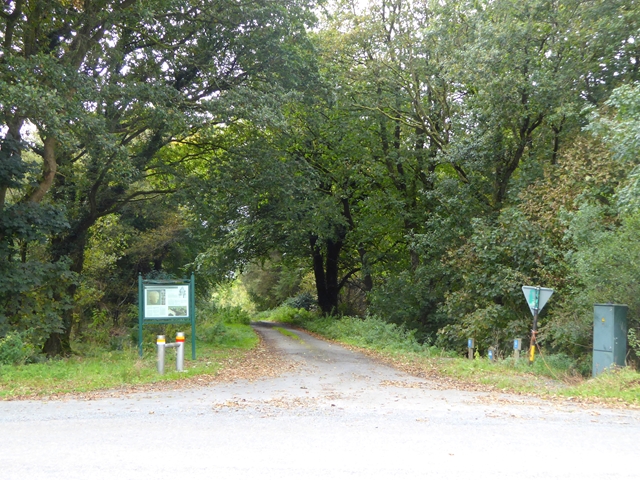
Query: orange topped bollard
[180, 351]
[178, 345]
[161, 343]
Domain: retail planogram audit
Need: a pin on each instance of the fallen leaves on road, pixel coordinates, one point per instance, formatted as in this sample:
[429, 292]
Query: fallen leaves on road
[401, 384]
[270, 407]
[263, 361]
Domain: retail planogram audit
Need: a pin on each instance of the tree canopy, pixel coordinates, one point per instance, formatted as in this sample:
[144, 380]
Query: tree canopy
[419, 160]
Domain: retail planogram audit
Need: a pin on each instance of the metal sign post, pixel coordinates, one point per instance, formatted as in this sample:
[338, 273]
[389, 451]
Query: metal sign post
[167, 302]
[537, 298]
[517, 346]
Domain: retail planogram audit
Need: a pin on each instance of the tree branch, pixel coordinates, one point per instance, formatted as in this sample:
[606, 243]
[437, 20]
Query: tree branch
[346, 278]
[49, 169]
[147, 194]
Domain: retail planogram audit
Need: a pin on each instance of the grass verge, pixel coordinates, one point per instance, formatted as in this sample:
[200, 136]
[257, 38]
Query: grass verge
[103, 370]
[549, 376]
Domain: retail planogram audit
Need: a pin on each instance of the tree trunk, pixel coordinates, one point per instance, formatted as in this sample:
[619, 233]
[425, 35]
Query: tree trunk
[73, 246]
[325, 271]
[367, 279]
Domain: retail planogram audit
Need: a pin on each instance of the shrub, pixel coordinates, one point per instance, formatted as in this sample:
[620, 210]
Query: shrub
[287, 314]
[233, 315]
[304, 300]
[223, 335]
[209, 313]
[634, 341]
[211, 332]
[222, 326]
[13, 350]
[560, 362]
[368, 332]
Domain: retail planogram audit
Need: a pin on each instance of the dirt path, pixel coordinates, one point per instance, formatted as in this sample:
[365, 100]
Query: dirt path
[324, 412]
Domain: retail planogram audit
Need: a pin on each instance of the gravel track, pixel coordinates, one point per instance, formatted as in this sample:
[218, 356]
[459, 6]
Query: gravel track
[322, 412]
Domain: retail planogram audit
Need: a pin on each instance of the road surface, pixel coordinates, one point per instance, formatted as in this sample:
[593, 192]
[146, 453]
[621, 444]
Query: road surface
[337, 415]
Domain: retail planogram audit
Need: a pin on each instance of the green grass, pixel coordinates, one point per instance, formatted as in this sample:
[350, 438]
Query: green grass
[100, 370]
[287, 333]
[622, 384]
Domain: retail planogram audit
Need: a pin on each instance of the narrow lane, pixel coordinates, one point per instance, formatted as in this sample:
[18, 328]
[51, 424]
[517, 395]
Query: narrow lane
[337, 415]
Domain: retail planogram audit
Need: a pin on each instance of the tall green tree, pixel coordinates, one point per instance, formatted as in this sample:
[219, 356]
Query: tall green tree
[394, 58]
[292, 189]
[532, 69]
[106, 86]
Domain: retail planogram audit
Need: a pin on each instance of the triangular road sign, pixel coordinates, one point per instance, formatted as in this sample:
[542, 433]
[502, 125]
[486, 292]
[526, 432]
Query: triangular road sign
[537, 297]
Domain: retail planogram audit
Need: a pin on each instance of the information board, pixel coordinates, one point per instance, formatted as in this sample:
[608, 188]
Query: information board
[166, 302]
[162, 301]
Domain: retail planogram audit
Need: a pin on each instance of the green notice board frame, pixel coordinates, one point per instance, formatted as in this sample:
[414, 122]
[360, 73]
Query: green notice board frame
[161, 302]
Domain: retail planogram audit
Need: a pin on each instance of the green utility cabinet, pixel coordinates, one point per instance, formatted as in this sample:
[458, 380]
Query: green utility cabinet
[609, 336]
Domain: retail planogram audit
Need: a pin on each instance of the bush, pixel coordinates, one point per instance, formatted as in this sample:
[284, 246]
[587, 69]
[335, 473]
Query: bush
[411, 299]
[558, 362]
[368, 332]
[223, 335]
[13, 350]
[287, 314]
[223, 326]
[211, 332]
[304, 300]
[232, 315]
[209, 313]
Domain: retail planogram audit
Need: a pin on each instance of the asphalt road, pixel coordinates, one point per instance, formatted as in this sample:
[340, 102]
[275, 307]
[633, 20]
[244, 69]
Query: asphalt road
[337, 415]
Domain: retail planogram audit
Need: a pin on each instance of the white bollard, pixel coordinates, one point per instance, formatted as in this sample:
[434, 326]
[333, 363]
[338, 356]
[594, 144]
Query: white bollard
[178, 345]
[180, 351]
[160, 342]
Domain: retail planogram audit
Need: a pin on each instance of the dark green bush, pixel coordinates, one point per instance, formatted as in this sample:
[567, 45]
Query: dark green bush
[286, 314]
[304, 300]
[14, 350]
[232, 315]
[211, 332]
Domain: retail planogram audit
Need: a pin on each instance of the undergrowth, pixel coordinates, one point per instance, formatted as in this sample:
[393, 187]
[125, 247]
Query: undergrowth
[288, 314]
[221, 333]
[369, 332]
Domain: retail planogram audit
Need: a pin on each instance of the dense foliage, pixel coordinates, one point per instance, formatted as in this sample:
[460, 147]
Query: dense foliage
[94, 99]
[415, 160]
